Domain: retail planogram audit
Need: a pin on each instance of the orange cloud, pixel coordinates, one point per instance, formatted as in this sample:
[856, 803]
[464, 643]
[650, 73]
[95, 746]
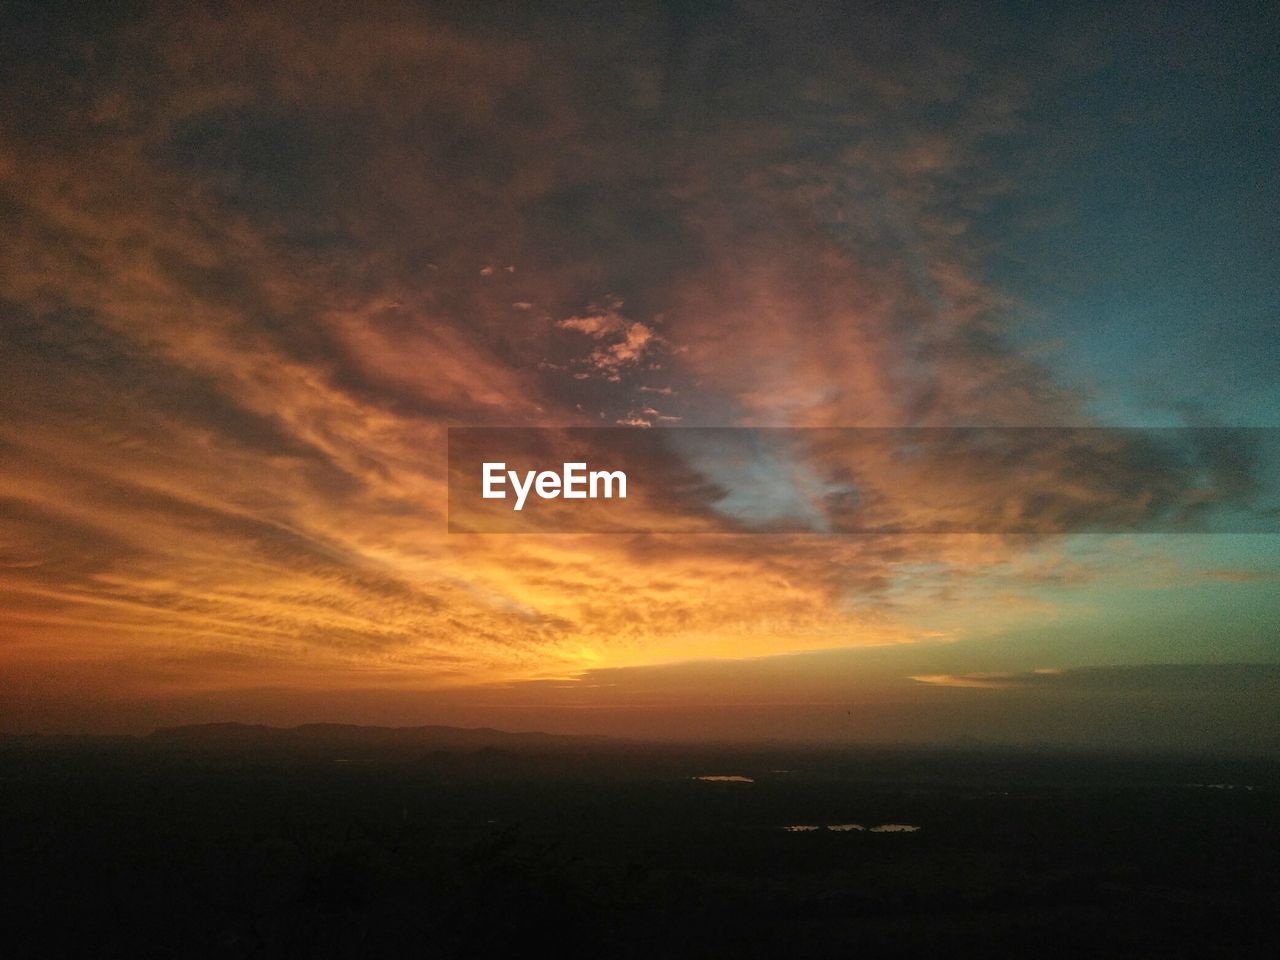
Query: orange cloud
[257, 264]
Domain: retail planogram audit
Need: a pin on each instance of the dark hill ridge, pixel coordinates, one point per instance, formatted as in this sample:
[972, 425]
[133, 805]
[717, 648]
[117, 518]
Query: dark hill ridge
[353, 737]
[339, 741]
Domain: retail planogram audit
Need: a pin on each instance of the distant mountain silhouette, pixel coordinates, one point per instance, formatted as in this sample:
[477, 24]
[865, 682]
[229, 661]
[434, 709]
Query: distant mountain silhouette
[355, 740]
[337, 741]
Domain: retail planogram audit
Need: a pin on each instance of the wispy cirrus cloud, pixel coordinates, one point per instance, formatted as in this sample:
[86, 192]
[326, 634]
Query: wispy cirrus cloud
[991, 681]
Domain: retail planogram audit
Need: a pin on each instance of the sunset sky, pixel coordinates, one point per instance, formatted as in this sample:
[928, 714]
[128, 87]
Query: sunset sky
[257, 259]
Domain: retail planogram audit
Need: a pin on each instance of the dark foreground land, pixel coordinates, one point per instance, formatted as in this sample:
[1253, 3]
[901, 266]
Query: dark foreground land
[341, 842]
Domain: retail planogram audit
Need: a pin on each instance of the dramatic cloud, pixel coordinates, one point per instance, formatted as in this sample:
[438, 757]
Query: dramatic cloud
[259, 259]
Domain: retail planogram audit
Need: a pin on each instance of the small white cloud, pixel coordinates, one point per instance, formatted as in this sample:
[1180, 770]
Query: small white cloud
[600, 320]
[625, 343]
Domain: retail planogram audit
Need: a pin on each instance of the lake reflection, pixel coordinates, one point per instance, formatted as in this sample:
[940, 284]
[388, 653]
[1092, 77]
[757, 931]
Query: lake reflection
[726, 779]
[895, 828]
